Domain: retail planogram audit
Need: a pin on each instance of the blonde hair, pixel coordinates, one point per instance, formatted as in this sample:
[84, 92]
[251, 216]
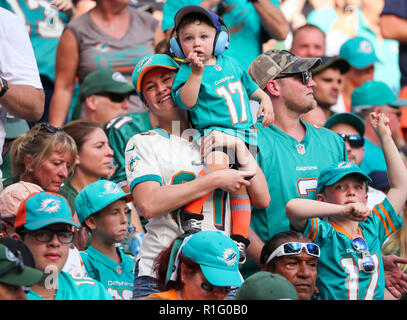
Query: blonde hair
[397, 243]
[39, 143]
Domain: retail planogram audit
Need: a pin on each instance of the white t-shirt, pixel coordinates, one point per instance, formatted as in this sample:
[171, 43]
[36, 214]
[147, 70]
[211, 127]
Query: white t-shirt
[17, 60]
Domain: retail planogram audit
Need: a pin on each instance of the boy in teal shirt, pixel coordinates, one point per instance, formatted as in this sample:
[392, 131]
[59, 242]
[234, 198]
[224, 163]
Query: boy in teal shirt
[101, 207]
[44, 222]
[350, 266]
[215, 89]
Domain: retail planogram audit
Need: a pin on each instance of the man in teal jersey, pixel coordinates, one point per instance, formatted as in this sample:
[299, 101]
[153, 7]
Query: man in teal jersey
[44, 223]
[292, 152]
[349, 233]
[45, 22]
[101, 207]
[250, 23]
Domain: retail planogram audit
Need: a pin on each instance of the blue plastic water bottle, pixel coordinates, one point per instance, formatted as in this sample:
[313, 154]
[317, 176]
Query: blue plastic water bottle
[135, 238]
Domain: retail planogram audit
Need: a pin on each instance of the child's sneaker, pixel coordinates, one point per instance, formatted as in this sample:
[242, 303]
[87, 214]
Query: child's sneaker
[242, 244]
[190, 222]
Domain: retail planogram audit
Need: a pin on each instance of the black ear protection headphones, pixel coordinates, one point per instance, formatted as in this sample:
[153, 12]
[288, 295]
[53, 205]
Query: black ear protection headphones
[221, 42]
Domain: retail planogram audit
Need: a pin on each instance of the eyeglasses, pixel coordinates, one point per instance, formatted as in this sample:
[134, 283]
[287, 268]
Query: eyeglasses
[305, 76]
[45, 235]
[46, 127]
[290, 248]
[360, 245]
[355, 140]
[210, 288]
[114, 97]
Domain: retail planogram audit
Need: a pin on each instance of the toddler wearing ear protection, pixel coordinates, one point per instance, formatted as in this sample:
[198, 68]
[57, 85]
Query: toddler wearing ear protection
[215, 89]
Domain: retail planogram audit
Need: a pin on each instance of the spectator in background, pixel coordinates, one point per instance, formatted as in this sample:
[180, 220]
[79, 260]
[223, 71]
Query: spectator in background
[49, 237]
[308, 41]
[329, 78]
[94, 157]
[393, 25]
[10, 199]
[396, 245]
[100, 39]
[201, 266]
[17, 270]
[103, 95]
[266, 286]
[45, 22]
[352, 130]
[44, 155]
[21, 93]
[376, 96]
[298, 265]
[102, 209]
[14, 128]
[360, 54]
[250, 23]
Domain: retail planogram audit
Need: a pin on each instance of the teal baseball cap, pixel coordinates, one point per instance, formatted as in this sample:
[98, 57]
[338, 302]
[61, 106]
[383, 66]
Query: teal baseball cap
[335, 172]
[264, 285]
[104, 80]
[374, 93]
[41, 209]
[346, 117]
[146, 64]
[96, 196]
[359, 52]
[217, 255]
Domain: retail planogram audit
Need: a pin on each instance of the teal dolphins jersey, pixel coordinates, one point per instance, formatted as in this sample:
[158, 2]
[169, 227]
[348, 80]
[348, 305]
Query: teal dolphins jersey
[223, 101]
[340, 274]
[117, 278]
[119, 130]
[69, 288]
[44, 25]
[292, 170]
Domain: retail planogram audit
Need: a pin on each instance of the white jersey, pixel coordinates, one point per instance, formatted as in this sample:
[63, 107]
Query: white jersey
[168, 159]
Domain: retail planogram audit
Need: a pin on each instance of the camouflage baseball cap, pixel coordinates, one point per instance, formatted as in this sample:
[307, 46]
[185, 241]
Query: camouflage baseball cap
[273, 62]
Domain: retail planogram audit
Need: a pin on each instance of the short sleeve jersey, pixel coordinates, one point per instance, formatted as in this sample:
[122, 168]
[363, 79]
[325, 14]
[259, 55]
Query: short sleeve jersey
[223, 101]
[119, 131]
[169, 160]
[340, 275]
[292, 169]
[117, 278]
[44, 24]
[69, 288]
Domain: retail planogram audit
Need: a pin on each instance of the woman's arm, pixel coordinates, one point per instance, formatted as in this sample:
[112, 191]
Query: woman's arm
[155, 200]
[67, 61]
